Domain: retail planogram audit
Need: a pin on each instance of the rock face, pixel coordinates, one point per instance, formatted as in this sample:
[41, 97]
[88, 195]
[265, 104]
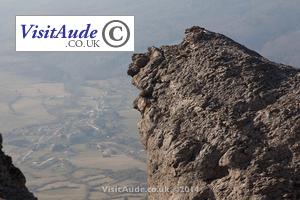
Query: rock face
[12, 181]
[218, 119]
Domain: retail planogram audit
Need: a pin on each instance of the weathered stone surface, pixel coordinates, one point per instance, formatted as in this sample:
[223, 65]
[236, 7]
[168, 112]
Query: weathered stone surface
[220, 117]
[12, 181]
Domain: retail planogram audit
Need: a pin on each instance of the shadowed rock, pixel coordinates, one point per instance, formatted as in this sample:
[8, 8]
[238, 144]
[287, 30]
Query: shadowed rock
[12, 181]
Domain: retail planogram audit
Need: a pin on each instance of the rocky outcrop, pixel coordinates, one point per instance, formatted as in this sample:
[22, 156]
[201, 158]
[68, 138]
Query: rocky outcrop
[218, 119]
[12, 181]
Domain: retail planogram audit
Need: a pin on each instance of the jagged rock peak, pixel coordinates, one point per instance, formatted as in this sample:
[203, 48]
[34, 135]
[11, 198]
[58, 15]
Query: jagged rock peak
[218, 118]
[12, 180]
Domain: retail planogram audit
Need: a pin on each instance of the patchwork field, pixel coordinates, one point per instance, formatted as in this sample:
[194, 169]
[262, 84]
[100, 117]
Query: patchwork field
[71, 142]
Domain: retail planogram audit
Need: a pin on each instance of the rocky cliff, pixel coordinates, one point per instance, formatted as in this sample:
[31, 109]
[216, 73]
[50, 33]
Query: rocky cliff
[12, 181]
[218, 119]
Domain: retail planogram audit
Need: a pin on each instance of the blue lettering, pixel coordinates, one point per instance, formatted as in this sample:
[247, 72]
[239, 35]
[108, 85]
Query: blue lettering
[62, 31]
[50, 32]
[25, 33]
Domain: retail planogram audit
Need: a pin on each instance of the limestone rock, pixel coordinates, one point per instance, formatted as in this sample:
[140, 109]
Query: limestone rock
[219, 119]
